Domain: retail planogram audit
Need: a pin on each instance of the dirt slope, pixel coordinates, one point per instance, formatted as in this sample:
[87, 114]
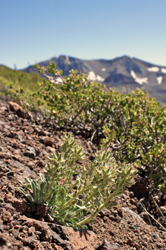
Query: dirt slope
[26, 141]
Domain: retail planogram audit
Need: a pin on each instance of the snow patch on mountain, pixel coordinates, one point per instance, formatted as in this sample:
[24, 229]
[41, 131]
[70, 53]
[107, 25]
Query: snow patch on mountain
[103, 69]
[153, 69]
[137, 79]
[93, 77]
[99, 78]
[163, 70]
[67, 60]
[159, 79]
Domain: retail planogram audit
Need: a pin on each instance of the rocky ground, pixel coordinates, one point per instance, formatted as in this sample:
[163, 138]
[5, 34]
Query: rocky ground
[26, 140]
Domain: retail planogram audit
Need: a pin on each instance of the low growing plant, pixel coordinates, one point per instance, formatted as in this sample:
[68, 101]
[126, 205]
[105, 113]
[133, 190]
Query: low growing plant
[75, 201]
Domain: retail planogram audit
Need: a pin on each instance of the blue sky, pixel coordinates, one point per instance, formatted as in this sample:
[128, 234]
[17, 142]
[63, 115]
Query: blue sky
[36, 30]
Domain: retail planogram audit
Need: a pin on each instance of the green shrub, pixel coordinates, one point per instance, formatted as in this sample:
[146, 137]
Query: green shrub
[136, 133]
[75, 201]
[76, 102]
[134, 125]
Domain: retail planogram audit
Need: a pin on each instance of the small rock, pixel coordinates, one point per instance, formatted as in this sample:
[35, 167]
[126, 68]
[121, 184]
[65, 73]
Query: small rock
[20, 111]
[30, 152]
[1, 226]
[6, 216]
[104, 212]
[41, 164]
[14, 106]
[49, 141]
[81, 239]
[3, 239]
[145, 216]
[107, 246]
[163, 209]
[50, 149]
[41, 210]
[133, 201]
[31, 230]
[6, 155]
[120, 212]
[41, 139]
[131, 194]
[17, 152]
[42, 132]
[30, 164]
[30, 241]
[19, 205]
[132, 215]
[54, 246]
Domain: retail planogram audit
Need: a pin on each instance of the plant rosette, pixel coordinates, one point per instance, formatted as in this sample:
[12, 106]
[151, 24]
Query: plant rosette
[77, 200]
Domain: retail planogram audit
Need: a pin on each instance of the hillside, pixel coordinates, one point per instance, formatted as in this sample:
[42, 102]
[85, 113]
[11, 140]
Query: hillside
[27, 139]
[19, 79]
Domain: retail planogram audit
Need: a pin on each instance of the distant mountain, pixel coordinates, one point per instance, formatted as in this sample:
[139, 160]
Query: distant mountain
[123, 73]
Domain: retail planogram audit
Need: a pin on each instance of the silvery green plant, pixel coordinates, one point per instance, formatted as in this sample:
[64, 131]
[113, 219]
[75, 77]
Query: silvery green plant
[74, 193]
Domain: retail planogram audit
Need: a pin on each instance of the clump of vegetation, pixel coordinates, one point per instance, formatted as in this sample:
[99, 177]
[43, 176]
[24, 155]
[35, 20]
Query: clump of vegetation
[75, 202]
[133, 125]
[136, 133]
[74, 102]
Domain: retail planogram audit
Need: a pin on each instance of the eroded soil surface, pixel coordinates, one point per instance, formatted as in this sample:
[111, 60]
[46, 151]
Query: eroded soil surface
[26, 140]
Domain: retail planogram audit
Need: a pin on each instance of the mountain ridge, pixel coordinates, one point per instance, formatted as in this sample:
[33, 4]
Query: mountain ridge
[118, 73]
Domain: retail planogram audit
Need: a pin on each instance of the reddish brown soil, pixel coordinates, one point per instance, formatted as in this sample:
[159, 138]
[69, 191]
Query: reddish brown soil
[126, 226]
